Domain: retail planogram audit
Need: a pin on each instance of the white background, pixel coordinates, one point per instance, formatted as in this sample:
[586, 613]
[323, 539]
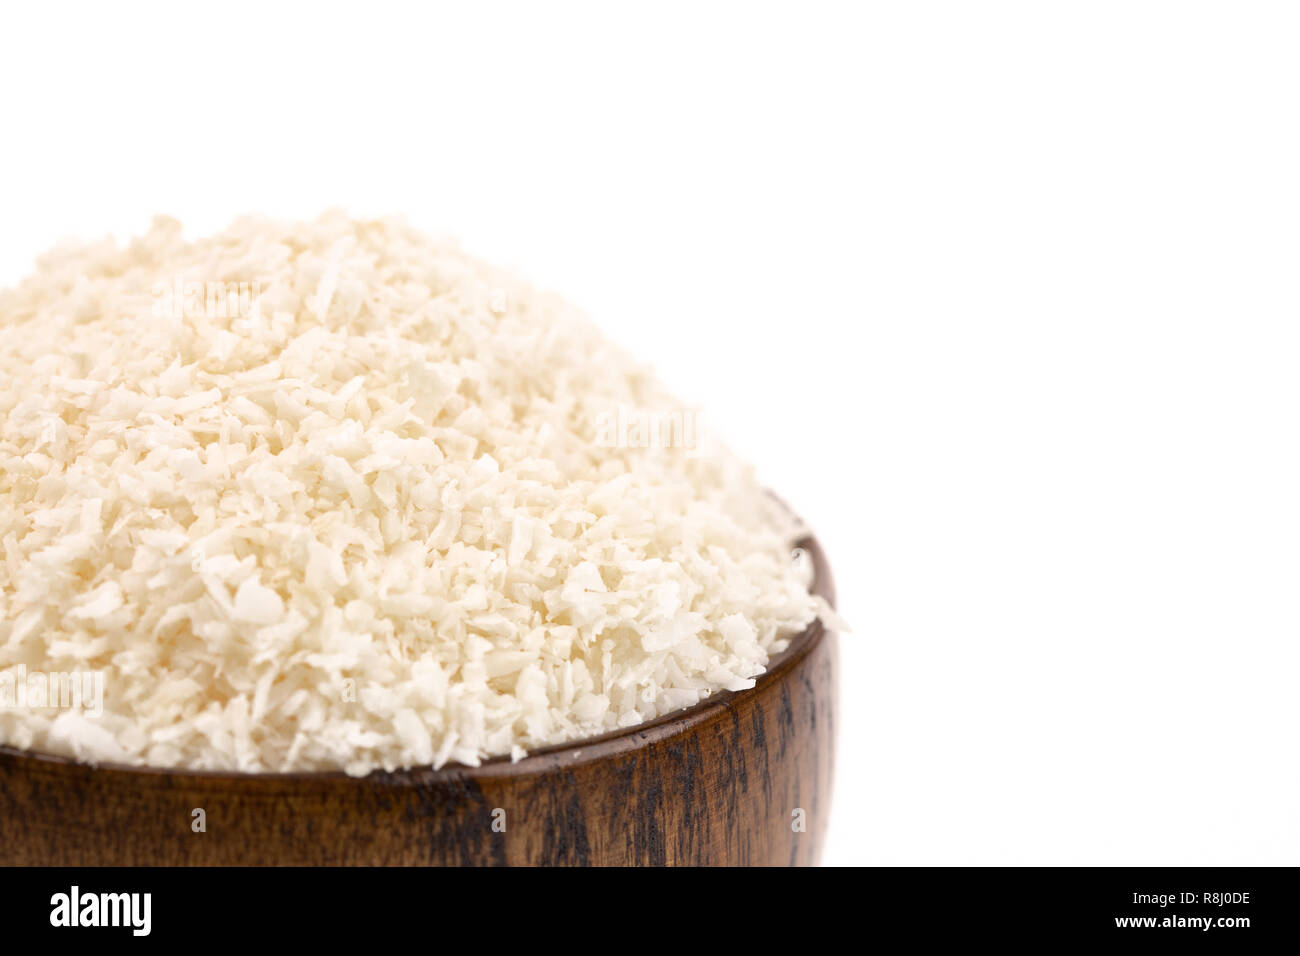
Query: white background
[1002, 296]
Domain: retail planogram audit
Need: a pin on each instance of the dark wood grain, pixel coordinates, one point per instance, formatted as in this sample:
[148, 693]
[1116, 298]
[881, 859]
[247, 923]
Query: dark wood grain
[716, 784]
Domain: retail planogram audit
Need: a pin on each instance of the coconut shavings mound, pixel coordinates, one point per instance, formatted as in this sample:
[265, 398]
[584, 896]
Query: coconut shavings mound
[335, 495]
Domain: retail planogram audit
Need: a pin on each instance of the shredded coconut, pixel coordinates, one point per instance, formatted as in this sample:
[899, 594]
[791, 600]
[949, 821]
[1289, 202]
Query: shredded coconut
[335, 495]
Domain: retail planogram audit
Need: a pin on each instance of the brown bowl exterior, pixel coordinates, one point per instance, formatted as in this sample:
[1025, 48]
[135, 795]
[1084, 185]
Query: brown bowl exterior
[741, 779]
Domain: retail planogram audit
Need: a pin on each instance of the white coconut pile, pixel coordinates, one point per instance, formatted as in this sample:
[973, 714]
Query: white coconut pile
[364, 511]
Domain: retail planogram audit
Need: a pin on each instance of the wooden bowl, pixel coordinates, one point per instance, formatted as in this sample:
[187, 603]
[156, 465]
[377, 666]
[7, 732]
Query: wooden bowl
[742, 778]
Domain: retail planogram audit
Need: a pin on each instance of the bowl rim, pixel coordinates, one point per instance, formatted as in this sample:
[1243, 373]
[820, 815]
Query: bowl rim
[534, 761]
